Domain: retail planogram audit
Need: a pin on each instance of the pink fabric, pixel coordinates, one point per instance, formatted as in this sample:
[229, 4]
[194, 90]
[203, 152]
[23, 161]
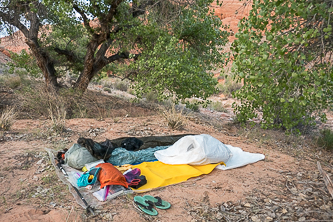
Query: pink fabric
[132, 174]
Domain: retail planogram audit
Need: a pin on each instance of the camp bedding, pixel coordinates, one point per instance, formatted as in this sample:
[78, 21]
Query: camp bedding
[159, 174]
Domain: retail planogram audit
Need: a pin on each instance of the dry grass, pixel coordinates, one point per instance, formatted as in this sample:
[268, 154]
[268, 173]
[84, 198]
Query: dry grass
[58, 118]
[7, 118]
[217, 106]
[175, 119]
[11, 82]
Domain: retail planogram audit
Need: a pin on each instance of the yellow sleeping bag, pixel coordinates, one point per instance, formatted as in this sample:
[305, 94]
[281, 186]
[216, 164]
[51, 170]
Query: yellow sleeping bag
[159, 174]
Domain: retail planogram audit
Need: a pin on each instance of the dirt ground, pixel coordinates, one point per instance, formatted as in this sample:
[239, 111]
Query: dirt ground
[286, 186]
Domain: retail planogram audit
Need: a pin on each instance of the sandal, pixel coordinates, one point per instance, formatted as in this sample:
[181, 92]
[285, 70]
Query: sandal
[145, 206]
[157, 201]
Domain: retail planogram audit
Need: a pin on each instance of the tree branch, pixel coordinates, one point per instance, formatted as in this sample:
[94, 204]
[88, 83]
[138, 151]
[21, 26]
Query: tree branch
[84, 17]
[68, 54]
[14, 20]
[137, 11]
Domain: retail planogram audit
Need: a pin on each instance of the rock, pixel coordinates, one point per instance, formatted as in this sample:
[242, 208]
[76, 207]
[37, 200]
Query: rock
[302, 219]
[219, 216]
[255, 219]
[268, 219]
[108, 216]
[247, 205]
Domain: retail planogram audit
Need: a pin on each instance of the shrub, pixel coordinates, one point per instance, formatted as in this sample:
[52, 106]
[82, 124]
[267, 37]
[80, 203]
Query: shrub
[121, 85]
[151, 96]
[107, 89]
[194, 107]
[228, 87]
[7, 118]
[326, 139]
[217, 106]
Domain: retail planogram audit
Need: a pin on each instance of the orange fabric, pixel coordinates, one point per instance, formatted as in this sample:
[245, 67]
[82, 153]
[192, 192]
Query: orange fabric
[109, 175]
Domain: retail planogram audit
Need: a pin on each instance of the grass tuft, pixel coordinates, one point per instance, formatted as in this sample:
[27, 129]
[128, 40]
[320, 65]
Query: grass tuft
[175, 120]
[7, 118]
[217, 106]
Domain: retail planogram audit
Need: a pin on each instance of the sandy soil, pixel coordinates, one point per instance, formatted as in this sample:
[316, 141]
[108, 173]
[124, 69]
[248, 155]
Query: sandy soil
[286, 186]
[30, 190]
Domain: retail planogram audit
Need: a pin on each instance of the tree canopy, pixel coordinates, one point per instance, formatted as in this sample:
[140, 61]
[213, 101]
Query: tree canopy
[283, 53]
[167, 46]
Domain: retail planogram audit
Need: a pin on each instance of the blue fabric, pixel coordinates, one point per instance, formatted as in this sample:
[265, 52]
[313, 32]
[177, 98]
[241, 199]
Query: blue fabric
[83, 180]
[121, 156]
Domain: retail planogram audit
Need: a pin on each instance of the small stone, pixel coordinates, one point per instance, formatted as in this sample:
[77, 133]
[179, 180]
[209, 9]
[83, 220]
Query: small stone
[247, 205]
[108, 216]
[284, 211]
[255, 219]
[302, 219]
[219, 216]
[268, 219]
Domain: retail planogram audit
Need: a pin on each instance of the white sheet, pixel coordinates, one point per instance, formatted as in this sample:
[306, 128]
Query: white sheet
[240, 158]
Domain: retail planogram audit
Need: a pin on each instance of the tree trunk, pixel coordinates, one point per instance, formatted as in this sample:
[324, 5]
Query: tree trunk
[45, 64]
[89, 61]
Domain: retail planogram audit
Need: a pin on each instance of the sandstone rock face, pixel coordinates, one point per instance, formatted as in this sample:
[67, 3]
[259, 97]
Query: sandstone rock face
[231, 12]
[14, 43]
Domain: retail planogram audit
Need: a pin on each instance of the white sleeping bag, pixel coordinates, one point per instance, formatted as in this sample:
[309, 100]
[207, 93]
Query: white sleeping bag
[195, 150]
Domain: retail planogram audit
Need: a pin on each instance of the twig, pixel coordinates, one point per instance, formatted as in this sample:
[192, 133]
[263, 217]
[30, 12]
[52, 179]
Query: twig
[327, 180]
[8, 209]
[279, 171]
[69, 214]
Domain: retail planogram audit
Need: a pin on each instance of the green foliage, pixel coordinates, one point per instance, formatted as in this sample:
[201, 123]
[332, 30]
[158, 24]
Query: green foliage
[177, 63]
[25, 61]
[282, 53]
[228, 87]
[193, 106]
[163, 46]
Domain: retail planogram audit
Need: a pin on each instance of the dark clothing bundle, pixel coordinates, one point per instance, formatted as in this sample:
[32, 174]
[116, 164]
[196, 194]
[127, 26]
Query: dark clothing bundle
[104, 149]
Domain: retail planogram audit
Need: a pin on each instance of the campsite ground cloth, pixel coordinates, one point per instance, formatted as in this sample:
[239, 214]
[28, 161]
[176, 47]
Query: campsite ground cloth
[159, 174]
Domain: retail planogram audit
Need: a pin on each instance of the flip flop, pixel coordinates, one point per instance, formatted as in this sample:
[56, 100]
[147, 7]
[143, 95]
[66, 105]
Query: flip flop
[158, 202]
[145, 206]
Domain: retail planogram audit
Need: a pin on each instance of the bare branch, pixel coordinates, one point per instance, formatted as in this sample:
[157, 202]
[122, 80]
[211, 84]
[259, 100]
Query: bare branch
[84, 17]
[69, 54]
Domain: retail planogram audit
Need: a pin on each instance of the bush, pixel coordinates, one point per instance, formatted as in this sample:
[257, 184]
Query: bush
[121, 85]
[228, 87]
[326, 139]
[217, 106]
[194, 107]
[151, 96]
[107, 89]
